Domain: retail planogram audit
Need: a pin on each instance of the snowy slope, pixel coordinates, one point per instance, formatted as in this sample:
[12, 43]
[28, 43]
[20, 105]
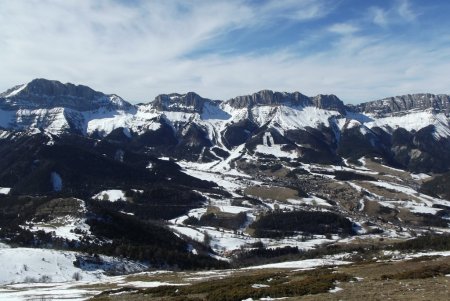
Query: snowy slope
[44, 265]
[293, 117]
[415, 120]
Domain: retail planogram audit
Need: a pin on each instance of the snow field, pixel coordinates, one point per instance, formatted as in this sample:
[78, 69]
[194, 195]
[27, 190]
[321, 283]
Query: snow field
[41, 265]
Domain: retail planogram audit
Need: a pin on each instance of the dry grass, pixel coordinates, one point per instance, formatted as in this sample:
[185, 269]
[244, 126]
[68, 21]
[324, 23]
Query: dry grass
[375, 166]
[417, 279]
[372, 286]
[239, 286]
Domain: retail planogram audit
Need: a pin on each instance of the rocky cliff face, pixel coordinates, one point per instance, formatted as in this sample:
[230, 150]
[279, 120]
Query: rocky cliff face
[190, 102]
[268, 97]
[439, 103]
[329, 102]
[48, 94]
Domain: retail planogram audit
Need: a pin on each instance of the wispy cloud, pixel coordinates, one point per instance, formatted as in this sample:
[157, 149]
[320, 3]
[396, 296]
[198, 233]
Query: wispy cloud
[401, 11]
[379, 16]
[299, 10]
[405, 10]
[343, 28]
[142, 48]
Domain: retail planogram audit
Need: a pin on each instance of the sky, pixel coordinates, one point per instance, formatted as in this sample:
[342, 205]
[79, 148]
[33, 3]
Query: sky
[359, 50]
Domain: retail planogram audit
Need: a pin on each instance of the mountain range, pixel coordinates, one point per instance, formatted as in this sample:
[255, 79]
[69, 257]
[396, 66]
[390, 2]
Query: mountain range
[410, 131]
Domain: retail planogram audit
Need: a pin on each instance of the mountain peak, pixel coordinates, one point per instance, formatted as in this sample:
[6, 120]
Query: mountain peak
[45, 87]
[329, 102]
[44, 93]
[189, 102]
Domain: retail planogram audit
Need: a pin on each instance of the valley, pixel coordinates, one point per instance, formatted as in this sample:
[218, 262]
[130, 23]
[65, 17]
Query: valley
[107, 200]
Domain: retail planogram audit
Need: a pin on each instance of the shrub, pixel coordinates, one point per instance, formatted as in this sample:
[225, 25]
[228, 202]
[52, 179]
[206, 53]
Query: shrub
[77, 276]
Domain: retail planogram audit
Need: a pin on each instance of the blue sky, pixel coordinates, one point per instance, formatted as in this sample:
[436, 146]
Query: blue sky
[359, 50]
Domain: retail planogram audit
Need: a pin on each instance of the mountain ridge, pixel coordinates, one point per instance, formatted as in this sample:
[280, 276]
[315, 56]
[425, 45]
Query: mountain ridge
[43, 93]
[320, 129]
[397, 103]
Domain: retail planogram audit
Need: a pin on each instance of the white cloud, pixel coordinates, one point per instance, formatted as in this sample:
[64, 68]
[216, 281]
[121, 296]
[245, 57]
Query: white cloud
[300, 10]
[343, 28]
[405, 10]
[354, 73]
[400, 12]
[379, 16]
[110, 45]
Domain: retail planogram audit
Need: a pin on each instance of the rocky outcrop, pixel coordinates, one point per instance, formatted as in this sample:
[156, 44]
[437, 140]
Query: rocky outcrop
[440, 103]
[48, 94]
[268, 97]
[329, 102]
[190, 102]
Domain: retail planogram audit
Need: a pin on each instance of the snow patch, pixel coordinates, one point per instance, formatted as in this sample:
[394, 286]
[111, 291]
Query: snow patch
[5, 190]
[276, 150]
[335, 290]
[67, 227]
[300, 264]
[148, 284]
[258, 285]
[17, 90]
[112, 195]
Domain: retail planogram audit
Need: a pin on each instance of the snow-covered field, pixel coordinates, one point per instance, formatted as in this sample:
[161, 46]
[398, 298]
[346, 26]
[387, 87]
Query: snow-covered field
[46, 291]
[19, 281]
[30, 265]
[24, 273]
[44, 274]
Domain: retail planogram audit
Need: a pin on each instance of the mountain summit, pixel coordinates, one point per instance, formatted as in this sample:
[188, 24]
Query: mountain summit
[46, 94]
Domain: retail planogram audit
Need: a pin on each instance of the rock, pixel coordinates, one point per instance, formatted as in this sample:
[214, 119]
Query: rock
[439, 103]
[190, 102]
[48, 94]
[329, 102]
[268, 97]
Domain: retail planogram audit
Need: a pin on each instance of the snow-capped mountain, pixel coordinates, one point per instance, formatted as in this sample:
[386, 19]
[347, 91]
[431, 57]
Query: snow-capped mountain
[184, 181]
[317, 129]
[49, 94]
[44, 105]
